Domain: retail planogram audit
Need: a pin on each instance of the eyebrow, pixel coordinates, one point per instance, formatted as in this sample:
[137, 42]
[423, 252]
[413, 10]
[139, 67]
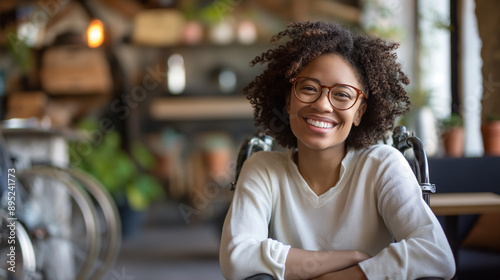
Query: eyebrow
[317, 80]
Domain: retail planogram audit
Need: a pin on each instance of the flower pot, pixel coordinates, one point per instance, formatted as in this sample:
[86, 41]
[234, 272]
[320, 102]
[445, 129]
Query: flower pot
[491, 138]
[453, 140]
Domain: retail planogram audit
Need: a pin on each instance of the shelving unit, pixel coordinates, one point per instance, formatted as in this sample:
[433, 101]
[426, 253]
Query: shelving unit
[201, 108]
[206, 106]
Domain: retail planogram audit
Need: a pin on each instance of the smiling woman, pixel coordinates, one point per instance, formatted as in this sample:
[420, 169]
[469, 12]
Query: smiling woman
[332, 205]
[372, 60]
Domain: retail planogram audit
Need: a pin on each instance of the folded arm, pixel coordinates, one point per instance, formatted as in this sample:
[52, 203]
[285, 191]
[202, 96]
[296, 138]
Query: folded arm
[304, 264]
[351, 273]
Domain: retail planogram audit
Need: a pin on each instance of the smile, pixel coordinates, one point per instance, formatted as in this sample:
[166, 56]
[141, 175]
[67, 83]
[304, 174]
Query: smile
[319, 124]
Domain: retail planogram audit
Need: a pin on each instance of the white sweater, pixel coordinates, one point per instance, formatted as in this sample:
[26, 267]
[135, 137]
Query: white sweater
[376, 200]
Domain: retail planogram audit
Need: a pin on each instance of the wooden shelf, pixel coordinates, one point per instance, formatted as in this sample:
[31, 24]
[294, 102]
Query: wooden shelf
[200, 108]
[39, 132]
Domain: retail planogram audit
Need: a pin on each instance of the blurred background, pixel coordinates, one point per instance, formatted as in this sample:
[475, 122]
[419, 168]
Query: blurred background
[145, 95]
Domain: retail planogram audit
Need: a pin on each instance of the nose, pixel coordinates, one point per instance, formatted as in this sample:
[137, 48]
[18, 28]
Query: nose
[323, 103]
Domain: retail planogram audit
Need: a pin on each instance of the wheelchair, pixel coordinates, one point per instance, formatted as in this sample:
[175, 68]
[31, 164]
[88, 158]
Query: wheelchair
[404, 141]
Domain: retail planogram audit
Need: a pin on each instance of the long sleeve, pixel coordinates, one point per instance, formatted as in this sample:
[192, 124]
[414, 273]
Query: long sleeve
[376, 200]
[245, 247]
[421, 248]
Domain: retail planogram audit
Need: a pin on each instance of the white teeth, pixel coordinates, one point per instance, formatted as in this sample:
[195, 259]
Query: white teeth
[319, 124]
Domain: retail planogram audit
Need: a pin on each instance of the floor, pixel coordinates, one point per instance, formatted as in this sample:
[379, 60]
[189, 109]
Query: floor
[167, 247]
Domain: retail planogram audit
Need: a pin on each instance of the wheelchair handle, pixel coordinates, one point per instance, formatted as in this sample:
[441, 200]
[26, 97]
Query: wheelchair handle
[261, 142]
[404, 140]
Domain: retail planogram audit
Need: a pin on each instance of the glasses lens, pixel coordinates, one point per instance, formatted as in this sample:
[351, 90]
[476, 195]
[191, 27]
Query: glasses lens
[343, 97]
[307, 90]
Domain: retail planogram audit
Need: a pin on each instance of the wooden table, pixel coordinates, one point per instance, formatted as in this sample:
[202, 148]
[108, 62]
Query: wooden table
[451, 205]
[447, 204]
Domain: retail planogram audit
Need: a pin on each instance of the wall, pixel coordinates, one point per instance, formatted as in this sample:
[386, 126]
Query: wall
[488, 17]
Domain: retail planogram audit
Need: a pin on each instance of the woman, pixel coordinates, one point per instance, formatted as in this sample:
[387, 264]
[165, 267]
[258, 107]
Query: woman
[336, 205]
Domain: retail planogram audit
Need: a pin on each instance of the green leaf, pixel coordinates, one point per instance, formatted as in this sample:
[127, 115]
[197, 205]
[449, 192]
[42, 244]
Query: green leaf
[145, 159]
[20, 51]
[88, 124]
[136, 200]
[143, 191]
[455, 120]
[493, 117]
[111, 142]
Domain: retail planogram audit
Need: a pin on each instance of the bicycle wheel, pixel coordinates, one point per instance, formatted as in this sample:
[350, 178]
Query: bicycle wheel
[61, 220]
[108, 219]
[17, 264]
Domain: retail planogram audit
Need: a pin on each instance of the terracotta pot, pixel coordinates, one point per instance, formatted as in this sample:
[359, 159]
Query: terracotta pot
[217, 161]
[491, 138]
[454, 142]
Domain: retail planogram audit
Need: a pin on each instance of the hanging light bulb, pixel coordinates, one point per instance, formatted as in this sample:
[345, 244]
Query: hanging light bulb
[95, 34]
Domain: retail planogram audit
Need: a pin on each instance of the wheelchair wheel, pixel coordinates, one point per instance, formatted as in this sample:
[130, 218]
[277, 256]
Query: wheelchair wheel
[23, 264]
[61, 221]
[108, 219]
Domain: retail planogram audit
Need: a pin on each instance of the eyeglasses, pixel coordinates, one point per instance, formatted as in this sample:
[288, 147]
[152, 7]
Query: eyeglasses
[341, 96]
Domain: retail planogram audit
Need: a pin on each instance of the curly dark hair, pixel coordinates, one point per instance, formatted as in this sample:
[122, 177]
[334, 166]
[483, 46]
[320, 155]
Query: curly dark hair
[373, 60]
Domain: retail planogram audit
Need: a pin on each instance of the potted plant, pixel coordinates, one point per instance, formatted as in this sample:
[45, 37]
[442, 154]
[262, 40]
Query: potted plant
[453, 135]
[490, 130]
[126, 175]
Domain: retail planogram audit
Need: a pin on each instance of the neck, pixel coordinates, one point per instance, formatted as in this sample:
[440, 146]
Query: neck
[320, 168]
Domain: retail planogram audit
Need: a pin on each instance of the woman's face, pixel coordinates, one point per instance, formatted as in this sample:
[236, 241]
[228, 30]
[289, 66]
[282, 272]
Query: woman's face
[318, 125]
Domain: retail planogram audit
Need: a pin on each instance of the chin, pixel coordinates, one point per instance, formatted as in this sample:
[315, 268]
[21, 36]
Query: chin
[320, 145]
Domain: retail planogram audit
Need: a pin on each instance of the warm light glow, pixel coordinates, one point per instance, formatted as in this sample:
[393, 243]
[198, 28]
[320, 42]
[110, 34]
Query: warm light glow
[95, 34]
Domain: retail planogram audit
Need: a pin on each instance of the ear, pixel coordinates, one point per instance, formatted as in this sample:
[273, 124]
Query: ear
[359, 114]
